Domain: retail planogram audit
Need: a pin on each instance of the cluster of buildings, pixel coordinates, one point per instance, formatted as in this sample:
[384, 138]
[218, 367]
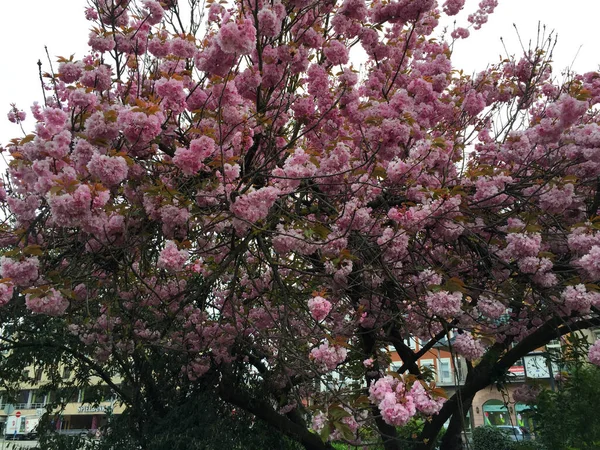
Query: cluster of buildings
[85, 413]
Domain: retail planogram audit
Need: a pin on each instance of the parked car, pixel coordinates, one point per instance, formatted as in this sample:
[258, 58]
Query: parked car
[515, 433]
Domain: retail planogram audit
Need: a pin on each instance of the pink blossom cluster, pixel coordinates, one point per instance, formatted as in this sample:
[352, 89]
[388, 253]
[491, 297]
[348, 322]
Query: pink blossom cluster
[424, 402]
[70, 71]
[270, 18]
[469, 347]
[191, 160]
[6, 292]
[526, 393]
[578, 298]
[52, 303]
[594, 353]
[110, 170]
[558, 199]
[453, 7]
[336, 52]
[138, 127]
[319, 308]
[521, 245]
[480, 17]
[287, 241]
[591, 262]
[318, 421]
[397, 407]
[155, 11]
[21, 273]
[444, 303]
[397, 404]
[490, 308]
[474, 102]
[16, 115]
[171, 258]
[71, 209]
[328, 358]
[255, 205]
[237, 37]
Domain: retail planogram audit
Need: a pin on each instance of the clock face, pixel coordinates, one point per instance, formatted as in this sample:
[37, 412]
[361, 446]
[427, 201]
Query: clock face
[536, 366]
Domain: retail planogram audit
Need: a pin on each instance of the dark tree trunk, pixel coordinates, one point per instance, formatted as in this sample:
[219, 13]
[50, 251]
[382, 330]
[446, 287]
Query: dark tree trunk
[452, 440]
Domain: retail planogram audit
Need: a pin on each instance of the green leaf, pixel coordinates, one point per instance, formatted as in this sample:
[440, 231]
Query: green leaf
[336, 412]
[325, 432]
[344, 430]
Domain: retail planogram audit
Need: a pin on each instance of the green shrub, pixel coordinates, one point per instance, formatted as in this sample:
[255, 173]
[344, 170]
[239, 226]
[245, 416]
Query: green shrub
[490, 438]
[528, 445]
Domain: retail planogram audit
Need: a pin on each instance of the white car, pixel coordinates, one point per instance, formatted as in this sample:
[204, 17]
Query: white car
[515, 433]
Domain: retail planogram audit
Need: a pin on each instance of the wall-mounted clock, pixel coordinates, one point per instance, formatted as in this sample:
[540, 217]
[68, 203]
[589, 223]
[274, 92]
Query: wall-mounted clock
[536, 366]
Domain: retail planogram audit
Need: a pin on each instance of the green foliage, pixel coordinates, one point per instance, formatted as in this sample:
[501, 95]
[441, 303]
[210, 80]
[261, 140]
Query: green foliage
[490, 438]
[568, 418]
[528, 445]
[202, 422]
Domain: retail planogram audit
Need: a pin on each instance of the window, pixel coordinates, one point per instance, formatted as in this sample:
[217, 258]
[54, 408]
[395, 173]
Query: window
[428, 368]
[495, 413]
[411, 342]
[38, 399]
[445, 370]
[395, 365]
[22, 400]
[37, 375]
[66, 373]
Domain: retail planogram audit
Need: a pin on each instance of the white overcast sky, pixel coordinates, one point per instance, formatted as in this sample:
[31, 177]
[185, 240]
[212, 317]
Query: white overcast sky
[26, 26]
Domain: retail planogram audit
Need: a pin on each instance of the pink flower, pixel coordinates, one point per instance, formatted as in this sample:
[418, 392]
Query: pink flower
[577, 298]
[318, 421]
[110, 170]
[268, 22]
[70, 210]
[70, 72]
[155, 11]
[15, 115]
[190, 160]
[591, 262]
[255, 206]
[99, 78]
[521, 245]
[336, 52]
[6, 293]
[328, 358]
[140, 128]
[460, 33]
[22, 273]
[469, 347]
[319, 308]
[444, 304]
[237, 37]
[526, 393]
[453, 7]
[490, 308]
[172, 259]
[424, 402]
[395, 404]
[101, 44]
[182, 48]
[594, 353]
[474, 102]
[53, 303]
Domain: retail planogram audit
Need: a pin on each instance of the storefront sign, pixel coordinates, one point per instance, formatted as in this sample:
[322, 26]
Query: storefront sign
[91, 409]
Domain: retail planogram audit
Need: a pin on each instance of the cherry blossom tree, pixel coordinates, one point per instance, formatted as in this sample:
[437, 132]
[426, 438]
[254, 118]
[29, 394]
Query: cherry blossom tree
[220, 192]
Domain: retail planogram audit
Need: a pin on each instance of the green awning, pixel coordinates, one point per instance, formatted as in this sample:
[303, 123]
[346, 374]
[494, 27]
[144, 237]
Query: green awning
[495, 408]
